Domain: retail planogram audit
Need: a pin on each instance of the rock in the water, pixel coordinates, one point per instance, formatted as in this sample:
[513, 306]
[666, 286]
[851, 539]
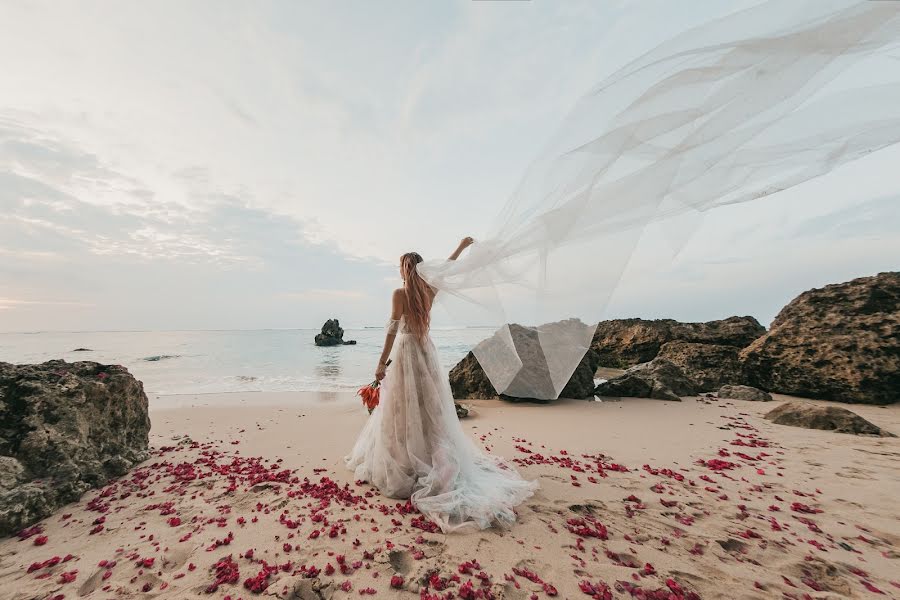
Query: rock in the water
[332, 335]
[82, 350]
[461, 411]
[709, 366]
[840, 342]
[468, 379]
[659, 379]
[744, 392]
[625, 342]
[65, 428]
[829, 418]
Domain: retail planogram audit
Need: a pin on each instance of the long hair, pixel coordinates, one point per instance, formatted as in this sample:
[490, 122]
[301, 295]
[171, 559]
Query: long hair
[419, 295]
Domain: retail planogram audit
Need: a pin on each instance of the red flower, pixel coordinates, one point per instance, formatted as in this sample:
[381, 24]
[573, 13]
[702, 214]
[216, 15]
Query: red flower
[40, 540]
[68, 577]
[397, 582]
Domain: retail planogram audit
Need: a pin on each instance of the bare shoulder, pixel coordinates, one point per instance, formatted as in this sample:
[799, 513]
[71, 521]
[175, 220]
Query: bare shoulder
[399, 297]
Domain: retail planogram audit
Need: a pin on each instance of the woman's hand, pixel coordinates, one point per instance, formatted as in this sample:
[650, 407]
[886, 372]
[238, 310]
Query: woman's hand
[463, 244]
[380, 372]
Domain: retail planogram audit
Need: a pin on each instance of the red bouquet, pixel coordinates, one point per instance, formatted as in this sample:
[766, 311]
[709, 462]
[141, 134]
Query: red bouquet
[370, 393]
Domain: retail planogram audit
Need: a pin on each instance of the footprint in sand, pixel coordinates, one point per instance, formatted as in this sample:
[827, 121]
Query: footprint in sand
[819, 573]
[733, 545]
[401, 561]
[589, 509]
[854, 473]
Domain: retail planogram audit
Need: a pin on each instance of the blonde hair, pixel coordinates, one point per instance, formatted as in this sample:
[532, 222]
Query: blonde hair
[419, 295]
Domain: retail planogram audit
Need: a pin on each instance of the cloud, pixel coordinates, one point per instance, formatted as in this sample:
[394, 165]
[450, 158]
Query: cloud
[266, 165]
[320, 294]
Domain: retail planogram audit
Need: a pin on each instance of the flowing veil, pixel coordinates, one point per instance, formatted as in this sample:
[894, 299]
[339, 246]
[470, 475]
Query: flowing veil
[734, 110]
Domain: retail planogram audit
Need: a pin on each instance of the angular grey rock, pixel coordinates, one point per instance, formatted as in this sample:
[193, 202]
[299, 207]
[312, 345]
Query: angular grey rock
[65, 428]
[744, 392]
[468, 379]
[829, 418]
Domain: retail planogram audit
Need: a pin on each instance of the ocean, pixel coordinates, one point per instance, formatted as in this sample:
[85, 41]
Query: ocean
[193, 362]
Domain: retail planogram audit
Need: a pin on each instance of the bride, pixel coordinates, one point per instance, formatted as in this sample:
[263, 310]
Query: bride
[413, 445]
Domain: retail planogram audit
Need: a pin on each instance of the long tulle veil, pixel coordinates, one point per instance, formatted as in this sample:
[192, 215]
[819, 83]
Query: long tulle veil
[731, 111]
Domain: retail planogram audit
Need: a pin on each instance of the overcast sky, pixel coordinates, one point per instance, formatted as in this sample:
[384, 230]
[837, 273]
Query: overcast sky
[195, 165]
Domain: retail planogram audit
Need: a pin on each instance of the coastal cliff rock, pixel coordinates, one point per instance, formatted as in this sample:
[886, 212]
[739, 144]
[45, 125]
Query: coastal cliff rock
[626, 342]
[709, 366]
[468, 379]
[840, 342]
[828, 418]
[332, 335]
[659, 379]
[65, 428]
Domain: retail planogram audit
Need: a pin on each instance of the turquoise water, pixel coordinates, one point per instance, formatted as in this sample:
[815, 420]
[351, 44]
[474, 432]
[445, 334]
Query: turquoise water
[191, 362]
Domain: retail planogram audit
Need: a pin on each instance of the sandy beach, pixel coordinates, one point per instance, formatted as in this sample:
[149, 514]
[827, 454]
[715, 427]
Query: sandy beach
[246, 494]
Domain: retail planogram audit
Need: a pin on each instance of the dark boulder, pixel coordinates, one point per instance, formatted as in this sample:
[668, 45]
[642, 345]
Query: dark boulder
[625, 342]
[828, 418]
[332, 335]
[65, 428]
[659, 379]
[468, 379]
[709, 366]
[840, 342]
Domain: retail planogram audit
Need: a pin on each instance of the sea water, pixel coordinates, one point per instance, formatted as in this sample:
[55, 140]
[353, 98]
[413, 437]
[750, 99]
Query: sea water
[192, 362]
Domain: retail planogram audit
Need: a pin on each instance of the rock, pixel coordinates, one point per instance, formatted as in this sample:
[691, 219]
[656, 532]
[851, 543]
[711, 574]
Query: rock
[627, 342]
[461, 411]
[709, 366]
[82, 350]
[468, 379]
[65, 428]
[160, 357]
[332, 335]
[829, 418]
[659, 379]
[840, 342]
[744, 392]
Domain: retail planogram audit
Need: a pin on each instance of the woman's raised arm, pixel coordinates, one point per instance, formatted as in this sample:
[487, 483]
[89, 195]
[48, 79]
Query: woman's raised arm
[463, 244]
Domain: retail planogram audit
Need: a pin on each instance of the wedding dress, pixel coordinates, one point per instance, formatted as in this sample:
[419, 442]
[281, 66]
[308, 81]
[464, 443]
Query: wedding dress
[413, 446]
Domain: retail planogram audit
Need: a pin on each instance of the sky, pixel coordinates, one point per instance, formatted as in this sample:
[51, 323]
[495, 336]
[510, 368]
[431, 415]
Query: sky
[219, 165]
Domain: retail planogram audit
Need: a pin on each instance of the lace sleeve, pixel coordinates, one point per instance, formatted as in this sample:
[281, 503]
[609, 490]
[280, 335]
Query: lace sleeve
[392, 327]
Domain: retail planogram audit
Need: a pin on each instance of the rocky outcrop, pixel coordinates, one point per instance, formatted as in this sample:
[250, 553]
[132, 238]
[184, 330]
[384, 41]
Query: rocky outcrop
[625, 342]
[65, 428]
[709, 366]
[468, 379]
[332, 335]
[829, 418]
[659, 379]
[744, 392]
[840, 342]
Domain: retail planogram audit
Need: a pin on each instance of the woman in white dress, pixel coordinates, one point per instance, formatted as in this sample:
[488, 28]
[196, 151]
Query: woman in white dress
[412, 445]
